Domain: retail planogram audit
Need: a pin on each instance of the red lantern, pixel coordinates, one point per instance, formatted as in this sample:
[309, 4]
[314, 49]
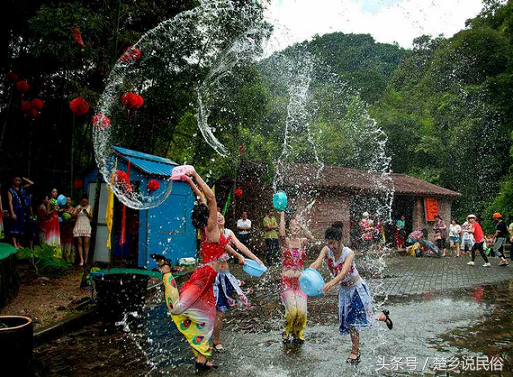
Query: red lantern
[78, 36]
[140, 101]
[33, 112]
[101, 121]
[130, 54]
[121, 178]
[153, 185]
[129, 100]
[238, 193]
[37, 104]
[26, 106]
[22, 86]
[13, 77]
[79, 106]
[78, 184]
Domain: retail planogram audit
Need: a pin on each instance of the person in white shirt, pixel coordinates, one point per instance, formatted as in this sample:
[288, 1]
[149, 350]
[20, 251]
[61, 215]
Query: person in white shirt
[244, 229]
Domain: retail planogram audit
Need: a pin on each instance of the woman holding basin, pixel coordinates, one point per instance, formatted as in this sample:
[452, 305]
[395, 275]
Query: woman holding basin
[293, 245]
[354, 299]
[226, 283]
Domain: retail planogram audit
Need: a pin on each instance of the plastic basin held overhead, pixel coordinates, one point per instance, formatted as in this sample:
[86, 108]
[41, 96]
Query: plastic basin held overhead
[253, 268]
[16, 343]
[119, 294]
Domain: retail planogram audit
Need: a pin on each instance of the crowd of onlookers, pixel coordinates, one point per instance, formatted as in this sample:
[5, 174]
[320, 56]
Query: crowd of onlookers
[44, 221]
[464, 239]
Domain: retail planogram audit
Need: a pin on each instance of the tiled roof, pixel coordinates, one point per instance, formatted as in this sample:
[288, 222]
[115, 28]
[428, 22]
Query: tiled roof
[147, 163]
[354, 180]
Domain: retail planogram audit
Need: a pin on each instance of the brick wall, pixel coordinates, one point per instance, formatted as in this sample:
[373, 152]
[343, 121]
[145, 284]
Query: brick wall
[328, 208]
[419, 218]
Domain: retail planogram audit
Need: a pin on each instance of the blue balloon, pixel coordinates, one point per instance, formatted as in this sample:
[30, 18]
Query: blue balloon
[311, 282]
[280, 201]
[61, 200]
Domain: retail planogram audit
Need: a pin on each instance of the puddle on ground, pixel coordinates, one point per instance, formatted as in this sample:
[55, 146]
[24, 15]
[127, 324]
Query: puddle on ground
[429, 330]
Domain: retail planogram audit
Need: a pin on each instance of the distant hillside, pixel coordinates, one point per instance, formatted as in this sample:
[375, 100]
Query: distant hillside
[357, 59]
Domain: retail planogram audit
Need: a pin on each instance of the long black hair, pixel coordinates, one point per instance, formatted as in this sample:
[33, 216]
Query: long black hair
[199, 216]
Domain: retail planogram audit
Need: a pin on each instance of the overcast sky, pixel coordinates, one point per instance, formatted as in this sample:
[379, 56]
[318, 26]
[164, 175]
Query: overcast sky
[386, 20]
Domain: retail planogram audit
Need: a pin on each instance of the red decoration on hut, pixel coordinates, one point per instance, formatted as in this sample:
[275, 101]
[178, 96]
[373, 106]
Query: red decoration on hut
[13, 77]
[37, 104]
[153, 185]
[78, 36]
[78, 184]
[101, 121]
[122, 179]
[22, 86]
[130, 54]
[238, 193]
[26, 106]
[79, 106]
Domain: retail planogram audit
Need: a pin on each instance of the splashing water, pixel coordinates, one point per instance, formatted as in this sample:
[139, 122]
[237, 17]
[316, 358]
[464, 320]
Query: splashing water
[195, 38]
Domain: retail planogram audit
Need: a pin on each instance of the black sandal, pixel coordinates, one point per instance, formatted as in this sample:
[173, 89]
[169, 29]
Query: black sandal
[388, 321]
[204, 367]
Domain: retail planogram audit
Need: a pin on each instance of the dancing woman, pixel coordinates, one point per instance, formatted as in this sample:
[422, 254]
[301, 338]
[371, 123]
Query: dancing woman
[226, 283]
[193, 309]
[292, 297]
[354, 301]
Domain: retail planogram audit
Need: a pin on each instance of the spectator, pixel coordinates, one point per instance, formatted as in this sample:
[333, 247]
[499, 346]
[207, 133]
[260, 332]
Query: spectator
[477, 231]
[42, 218]
[500, 236]
[440, 234]
[30, 221]
[416, 236]
[244, 229]
[400, 233]
[455, 237]
[82, 229]
[53, 231]
[510, 230]
[378, 232]
[467, 238]
[16, 197]
[271, 237]
[68, 249]
[367, 232]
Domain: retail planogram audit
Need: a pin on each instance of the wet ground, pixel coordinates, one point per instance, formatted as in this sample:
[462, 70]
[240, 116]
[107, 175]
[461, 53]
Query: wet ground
[449, 319]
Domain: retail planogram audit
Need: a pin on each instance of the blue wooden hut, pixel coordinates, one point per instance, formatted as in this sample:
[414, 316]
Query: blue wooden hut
[166, 229]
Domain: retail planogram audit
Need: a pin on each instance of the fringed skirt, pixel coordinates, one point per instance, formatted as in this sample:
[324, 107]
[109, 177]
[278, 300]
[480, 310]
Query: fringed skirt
[355, 307]
[224, 286]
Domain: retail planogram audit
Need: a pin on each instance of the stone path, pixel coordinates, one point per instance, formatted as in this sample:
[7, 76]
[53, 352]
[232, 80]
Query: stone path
[407, 275]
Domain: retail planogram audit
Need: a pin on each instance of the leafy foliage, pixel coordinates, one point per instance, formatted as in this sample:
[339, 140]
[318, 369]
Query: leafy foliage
[43, 259]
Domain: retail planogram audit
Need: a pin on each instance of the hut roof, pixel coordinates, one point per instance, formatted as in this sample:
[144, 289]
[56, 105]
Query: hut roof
[354, 180]
[147, 163]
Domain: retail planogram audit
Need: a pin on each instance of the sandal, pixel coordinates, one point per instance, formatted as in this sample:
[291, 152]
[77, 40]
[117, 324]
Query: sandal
[218, 347]
[285, 338]
[388, 321]
[204, 366]
[354, 361]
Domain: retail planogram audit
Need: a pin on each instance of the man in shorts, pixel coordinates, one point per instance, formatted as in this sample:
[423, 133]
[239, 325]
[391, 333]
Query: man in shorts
[467, 238]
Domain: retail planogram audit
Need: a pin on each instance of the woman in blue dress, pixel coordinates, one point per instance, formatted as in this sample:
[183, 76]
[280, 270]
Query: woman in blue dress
[16, 198]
